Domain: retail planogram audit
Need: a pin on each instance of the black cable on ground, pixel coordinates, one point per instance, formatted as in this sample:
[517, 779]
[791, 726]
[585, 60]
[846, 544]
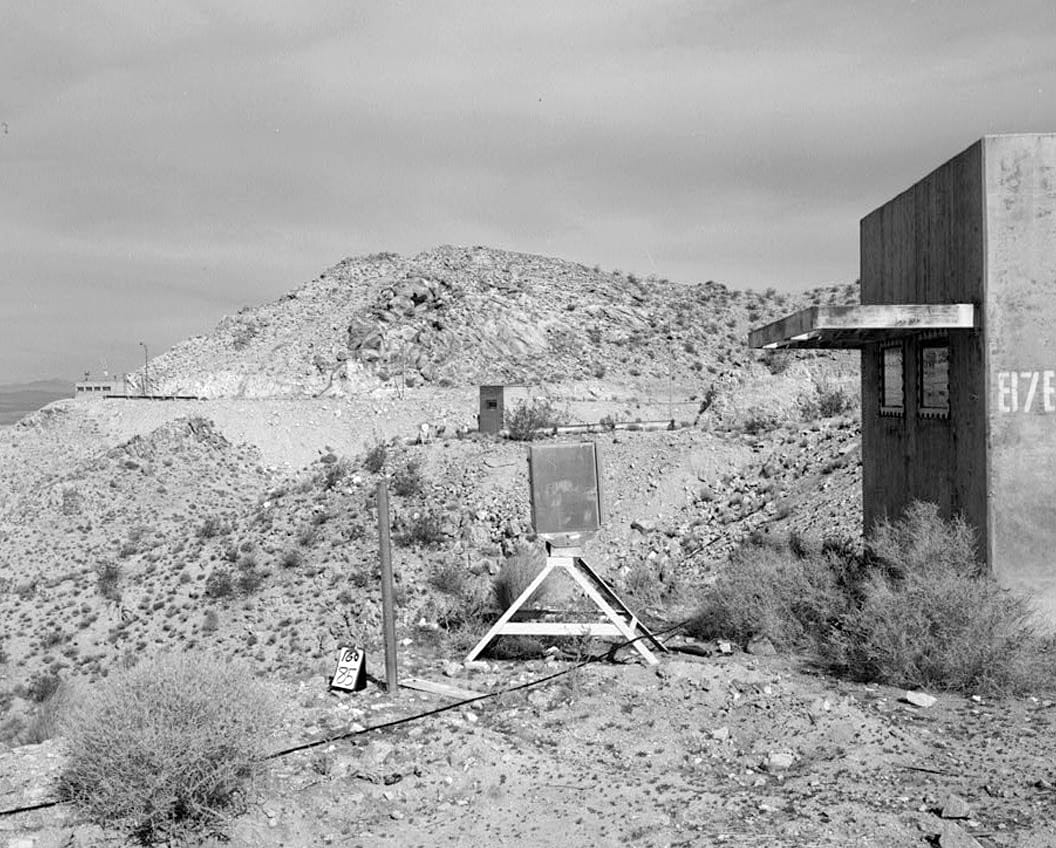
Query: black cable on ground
[28, 809]
[418, 716]
[484, 696]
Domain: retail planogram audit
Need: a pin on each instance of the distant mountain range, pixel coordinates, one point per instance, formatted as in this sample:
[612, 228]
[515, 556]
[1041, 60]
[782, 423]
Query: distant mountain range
[20, 399]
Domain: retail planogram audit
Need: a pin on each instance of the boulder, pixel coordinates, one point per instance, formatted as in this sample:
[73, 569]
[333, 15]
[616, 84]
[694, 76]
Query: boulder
[955, 808]
[920, 699]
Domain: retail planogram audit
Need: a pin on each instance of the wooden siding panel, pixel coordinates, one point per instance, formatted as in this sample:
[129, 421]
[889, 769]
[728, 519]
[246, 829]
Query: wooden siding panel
[926, 246]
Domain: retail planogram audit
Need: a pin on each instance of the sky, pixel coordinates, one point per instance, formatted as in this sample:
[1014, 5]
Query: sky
[163, 164]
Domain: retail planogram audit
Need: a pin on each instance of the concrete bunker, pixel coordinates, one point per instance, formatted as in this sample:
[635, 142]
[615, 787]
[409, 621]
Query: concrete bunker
[957, 332]
[495, 402]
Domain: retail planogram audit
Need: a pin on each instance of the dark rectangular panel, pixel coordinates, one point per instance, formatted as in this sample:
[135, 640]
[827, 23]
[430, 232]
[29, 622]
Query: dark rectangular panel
[893, 397]
[565, 495]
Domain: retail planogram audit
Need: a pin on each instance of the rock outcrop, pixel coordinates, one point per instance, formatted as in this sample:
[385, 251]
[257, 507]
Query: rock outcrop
[466, 315]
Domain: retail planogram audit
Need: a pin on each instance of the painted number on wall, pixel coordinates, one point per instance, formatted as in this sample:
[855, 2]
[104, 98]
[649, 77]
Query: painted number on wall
[1026, 391]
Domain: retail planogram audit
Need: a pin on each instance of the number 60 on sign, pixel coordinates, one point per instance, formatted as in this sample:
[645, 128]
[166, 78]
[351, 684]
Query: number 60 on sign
[351, 672]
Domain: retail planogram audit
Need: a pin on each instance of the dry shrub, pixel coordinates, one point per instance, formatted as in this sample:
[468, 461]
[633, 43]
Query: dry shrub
[374, 461]
[424, 529]
[826, 402]
[926, 617]
[516, 573]
[913, 611]
[944, 630]
[42, 686]
[291, 558]
[647, 584]
[220, 584]
[408, 481]
[760, 421]
[526, 419]
[108, 580]
[449, 577]
[922, 543]
[514, 576]
[165, 748]
[250, 575]
[48, 715]
[335, 472]
[767, 590]
[464, 610]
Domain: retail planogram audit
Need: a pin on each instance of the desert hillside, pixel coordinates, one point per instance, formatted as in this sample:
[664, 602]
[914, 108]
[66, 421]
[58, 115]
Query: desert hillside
[458, 316]
[243, 525]
[133, 511]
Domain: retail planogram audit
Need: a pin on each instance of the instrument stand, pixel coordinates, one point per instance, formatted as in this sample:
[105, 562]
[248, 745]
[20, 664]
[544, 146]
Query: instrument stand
[622, 622]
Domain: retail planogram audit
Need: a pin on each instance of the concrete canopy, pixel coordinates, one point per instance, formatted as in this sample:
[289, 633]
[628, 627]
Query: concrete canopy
[854, 326]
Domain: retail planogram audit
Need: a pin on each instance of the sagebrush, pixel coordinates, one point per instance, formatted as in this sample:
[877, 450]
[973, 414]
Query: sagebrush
[924, 615]
[515, 575]
[423, 529]
[166, 747]
[913, 609]
[767, 590]
[524, 422]
[409, 481]
[375, 458]
[108, 580]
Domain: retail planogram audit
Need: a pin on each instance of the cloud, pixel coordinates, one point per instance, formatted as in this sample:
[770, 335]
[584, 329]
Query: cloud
[168, 160]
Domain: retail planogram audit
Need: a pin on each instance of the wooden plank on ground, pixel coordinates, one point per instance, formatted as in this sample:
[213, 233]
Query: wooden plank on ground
[445, 690]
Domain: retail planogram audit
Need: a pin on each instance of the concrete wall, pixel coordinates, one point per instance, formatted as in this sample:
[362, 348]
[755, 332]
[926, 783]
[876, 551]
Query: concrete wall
[927, 246]
[1020, 173]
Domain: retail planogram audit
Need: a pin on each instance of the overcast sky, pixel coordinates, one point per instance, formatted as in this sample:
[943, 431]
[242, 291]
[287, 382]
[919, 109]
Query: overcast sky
[165, 163]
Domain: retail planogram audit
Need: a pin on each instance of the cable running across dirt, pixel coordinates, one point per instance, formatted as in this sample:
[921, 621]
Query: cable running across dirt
[418, 716]
[486, 695]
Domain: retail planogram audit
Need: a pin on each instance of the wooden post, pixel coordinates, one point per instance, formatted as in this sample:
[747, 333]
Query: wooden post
[388, 611]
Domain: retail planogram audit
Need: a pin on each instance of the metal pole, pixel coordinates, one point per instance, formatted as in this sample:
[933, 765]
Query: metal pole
[146, 373]
[388, 612]
[670, 374]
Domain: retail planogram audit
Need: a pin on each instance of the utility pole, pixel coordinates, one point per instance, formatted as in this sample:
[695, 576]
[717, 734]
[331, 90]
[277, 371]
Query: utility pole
[146, 375]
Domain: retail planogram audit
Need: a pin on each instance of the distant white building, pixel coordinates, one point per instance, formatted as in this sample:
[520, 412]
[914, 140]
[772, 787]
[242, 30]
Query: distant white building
[89, 388]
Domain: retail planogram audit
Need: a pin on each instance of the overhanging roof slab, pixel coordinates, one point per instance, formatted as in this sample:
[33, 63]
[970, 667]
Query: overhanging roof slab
[854, 326]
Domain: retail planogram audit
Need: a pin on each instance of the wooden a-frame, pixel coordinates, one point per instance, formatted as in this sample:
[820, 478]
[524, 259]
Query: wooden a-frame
[622, 622]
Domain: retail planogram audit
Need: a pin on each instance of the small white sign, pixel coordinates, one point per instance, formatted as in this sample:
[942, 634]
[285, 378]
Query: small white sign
[351, 672]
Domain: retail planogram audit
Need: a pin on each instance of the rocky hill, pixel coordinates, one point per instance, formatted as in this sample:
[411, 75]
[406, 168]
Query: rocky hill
[245, 526]
[457, 316]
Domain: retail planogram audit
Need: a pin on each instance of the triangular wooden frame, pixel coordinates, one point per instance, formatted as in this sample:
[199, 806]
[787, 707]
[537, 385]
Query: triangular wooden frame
[622, 622]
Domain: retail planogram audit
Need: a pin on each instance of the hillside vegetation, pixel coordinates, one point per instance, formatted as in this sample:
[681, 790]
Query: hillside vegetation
[246, 524]
[457, 316]
[167, 566]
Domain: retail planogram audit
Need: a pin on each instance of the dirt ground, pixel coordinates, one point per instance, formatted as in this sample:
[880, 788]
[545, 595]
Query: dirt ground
[708, 748]
[701, 750]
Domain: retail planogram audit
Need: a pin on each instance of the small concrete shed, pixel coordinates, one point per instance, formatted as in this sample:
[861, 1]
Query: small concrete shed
[957, 329]
[495, 402]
